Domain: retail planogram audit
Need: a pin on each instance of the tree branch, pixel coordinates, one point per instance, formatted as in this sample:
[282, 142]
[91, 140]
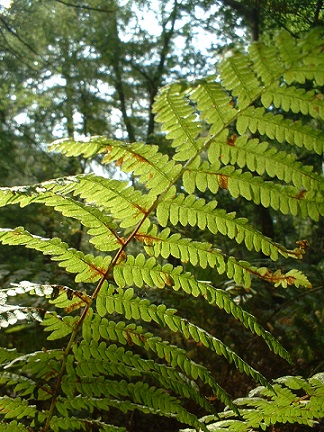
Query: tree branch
[22, 41]
[155, 82]
[319, 7]
[80, 6]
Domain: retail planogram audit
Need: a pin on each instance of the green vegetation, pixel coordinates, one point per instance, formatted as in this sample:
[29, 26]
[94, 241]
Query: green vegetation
[291, 400]
[153, 246]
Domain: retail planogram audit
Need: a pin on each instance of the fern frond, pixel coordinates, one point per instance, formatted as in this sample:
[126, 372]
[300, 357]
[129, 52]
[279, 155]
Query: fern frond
[11, 314]
[102, 228]
[87, 267]
[178, 119]
[72, 423]
[308, 64]
[266, 62]
[288, 49]
[95, 328]
[214, 104]
[59, 326]
[86, 147]
[132, 307]
[279, 128]
[136, 224]
[189, 210]
[115, 360]
[286, 199]
[296, 100]
[13, 426]
[283, 405]
[140, 272]
[197, 253]
[127, 273]
[260, 158]
[237, 75]
[295, 400]
[8, 355]
[123, 202]
[153, 168]
[17, 408]
[61, 296]
[22, 384]
[295, 60]
[158, 401]
[43, 365]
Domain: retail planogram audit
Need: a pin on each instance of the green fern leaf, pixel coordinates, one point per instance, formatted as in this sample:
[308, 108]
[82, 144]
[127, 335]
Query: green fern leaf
[87, 148]
[123, 202]
[237, 75]
[137, 225]
[7, 355]
[58, 326]
[16, 408]
[153, 169]
[13, 426]
[281, 198]
[115, 360]
[141, 393]
[260, 158]
[73, 423]
[293, 99]
[131, 334]
[44, 366]
[132, 307]
[127, 273]
[192, 211]
[214, 104]
[295, 400]
[307, 63]
[197, 253]
[178, 118]
[87, 267]
[283, 130]
[101, 227]
[266, 63]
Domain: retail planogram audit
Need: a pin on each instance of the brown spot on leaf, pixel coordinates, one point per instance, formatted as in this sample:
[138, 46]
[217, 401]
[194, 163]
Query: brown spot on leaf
[146, 239]
[55, 292]
[119, 161]
[301, 194]
[223, 181]
[231, 140]
[303, 244]
[129, 339]
[167, 280]
[122, 257]
[74, 307]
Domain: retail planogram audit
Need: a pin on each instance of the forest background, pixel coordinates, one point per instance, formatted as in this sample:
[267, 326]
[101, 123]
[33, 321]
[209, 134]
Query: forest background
[77, 69]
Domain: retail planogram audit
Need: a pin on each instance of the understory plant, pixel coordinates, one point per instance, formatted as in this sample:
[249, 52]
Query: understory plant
[292, 399]
[114, 336]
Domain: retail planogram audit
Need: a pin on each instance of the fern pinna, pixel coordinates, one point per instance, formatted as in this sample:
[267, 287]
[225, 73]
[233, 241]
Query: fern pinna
[294, 400]
[229, 133]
